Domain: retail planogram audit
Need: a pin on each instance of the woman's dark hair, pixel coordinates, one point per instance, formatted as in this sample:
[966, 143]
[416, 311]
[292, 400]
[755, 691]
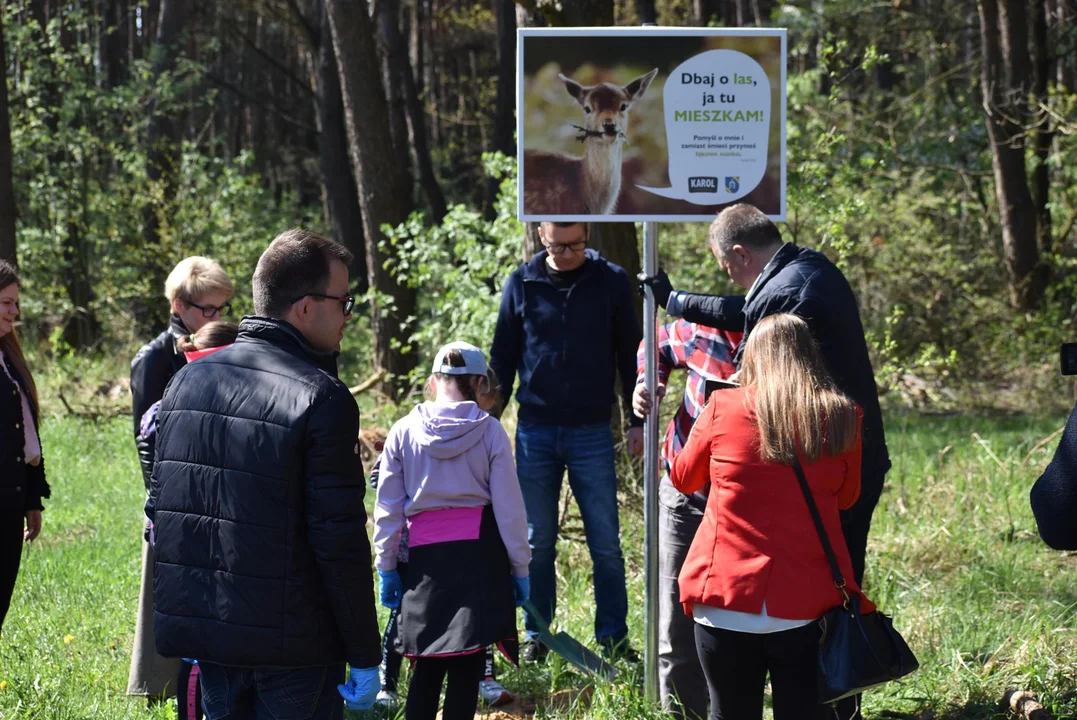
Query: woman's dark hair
[212, 335]
[10, 344]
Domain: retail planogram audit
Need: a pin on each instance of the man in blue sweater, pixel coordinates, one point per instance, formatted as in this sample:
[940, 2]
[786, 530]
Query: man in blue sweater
[567, 327]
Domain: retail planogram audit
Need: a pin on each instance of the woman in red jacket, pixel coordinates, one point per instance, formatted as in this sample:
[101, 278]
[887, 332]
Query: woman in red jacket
[756, 578]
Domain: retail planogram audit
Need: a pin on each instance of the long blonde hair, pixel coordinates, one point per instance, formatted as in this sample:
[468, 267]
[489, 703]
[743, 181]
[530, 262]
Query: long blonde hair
[797, 405]
[10, 344]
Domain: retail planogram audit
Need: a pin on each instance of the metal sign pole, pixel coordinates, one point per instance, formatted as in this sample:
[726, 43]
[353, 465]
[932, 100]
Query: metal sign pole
[650, 466]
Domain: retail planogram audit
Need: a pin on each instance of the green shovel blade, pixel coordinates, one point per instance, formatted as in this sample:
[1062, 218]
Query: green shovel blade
[571, 649]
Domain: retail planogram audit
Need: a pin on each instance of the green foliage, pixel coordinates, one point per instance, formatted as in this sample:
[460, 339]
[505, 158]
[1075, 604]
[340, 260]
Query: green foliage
[458, 268]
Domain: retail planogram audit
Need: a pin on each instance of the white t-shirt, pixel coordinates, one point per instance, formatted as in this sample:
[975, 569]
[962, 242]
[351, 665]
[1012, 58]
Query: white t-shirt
[760, 623]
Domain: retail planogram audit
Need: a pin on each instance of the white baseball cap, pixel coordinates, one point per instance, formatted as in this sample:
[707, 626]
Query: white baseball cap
[474, 360]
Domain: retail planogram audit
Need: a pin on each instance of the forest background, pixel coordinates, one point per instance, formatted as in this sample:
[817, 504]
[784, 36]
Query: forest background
[931, 152]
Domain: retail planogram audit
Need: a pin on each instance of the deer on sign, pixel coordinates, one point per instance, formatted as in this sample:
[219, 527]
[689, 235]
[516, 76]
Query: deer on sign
[560, 184]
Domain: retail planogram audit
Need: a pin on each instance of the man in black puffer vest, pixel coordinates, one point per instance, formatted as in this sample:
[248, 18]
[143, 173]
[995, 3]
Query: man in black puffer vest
[262, 563]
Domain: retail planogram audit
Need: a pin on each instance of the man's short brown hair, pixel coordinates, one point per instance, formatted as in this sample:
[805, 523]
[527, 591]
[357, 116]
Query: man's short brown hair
[297, 263]
[742, 224]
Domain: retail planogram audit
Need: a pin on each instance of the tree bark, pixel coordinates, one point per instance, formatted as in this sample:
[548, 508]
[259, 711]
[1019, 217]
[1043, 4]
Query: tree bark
[1042, 136]
[646, 11]
[382, 201]
[115, 42]
[163, 156]
[342, 196]
[1005, 85]
[403, 77]
[504, 110]
[7, 187]
[704, 11]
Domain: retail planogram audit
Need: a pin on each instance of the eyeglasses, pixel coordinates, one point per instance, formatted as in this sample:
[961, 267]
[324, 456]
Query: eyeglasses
[209, 311]
[347, 301]
[559, 248]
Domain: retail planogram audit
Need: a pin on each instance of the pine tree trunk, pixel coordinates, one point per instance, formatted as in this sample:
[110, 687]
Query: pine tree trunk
[382, 201]
[1005, 85]
[7, 187]
[403, 77]
[504, 110]
[342, 197]
[163, 155]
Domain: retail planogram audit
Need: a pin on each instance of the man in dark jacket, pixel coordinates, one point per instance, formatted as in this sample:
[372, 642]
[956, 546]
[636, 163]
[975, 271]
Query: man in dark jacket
[263, 569]
[567, 327]
[783, 278]
[1054, 496]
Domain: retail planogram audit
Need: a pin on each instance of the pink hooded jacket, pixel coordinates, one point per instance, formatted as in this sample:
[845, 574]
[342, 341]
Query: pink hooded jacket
[449, 455]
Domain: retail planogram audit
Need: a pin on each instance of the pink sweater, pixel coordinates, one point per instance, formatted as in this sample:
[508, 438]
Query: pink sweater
[449, 455]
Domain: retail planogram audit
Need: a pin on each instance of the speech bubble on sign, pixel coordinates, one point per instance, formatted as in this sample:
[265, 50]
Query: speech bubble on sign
[717, 108]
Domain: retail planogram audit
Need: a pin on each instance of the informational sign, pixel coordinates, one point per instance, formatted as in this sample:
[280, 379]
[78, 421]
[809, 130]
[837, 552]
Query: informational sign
[650, 124]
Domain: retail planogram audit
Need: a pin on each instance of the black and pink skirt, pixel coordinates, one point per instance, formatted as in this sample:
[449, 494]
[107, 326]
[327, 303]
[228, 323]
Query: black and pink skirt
[458, 591]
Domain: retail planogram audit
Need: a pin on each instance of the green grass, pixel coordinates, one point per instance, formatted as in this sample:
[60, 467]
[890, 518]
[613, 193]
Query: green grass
[954, 558]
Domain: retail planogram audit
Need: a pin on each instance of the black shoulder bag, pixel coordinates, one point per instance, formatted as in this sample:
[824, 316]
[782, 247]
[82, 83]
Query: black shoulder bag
[856, 652]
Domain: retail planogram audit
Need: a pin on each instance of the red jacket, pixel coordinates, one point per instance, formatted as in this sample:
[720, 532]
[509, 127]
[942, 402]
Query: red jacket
[757, 541]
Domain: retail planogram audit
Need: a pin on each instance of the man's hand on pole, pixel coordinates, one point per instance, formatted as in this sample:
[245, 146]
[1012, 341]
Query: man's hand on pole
[659, 284]
[641, 399]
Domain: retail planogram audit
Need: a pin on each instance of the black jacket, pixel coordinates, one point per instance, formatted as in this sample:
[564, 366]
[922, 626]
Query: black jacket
[261, 556]
[22, 486]
[1054, 496]
[153, 366]
[805, 283]
[567, 348]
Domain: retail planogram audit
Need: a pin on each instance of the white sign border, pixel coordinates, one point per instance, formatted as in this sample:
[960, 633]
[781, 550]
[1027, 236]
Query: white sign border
[521, 33]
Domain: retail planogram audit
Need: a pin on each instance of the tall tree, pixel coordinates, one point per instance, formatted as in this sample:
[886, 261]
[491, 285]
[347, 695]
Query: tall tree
[162, 152]
[383, 202]
[7, 188]
[402, 77]
[504, 111]
[342, 196]
[1006, 84]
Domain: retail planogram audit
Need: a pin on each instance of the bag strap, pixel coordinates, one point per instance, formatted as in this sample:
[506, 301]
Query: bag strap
[839, 580]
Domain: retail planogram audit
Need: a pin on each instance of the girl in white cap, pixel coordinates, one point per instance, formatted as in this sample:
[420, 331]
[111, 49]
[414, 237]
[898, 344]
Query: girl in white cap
[447, 471]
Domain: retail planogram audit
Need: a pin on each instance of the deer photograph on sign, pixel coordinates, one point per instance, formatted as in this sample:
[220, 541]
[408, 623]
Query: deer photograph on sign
[650, 124]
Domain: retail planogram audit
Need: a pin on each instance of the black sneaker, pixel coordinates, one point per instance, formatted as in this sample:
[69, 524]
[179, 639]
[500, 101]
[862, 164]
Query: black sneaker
[534, 652]
[620, 651]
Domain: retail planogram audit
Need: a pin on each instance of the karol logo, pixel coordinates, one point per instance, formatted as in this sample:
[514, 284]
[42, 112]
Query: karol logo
[703, 184]
[732, 184]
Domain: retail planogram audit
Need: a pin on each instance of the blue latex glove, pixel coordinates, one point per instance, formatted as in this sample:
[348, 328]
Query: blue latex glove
[521, 589]
[361, 689]
[391, 588]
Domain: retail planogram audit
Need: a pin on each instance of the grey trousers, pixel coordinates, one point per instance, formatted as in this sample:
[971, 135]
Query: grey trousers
[681, 682]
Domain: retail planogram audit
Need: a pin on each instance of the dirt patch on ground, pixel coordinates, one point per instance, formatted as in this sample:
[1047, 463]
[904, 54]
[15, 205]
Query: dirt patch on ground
[524, 708]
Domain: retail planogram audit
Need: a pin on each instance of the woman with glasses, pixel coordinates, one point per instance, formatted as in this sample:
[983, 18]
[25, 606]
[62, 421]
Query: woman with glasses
[198, 291]
[22, 472]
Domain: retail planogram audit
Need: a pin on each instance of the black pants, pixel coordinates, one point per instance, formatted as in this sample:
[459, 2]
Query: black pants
[461, 692]
[856, 524]
[11, 543]
[736, 666]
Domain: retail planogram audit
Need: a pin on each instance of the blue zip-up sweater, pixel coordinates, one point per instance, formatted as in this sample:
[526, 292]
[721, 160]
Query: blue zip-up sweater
[567, 348]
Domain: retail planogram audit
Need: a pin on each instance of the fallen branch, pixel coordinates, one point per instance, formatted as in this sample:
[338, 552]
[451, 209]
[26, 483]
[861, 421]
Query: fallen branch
[92, 414]
[368, 383]
[983, 443]
[1043, 442]
[1024, 705]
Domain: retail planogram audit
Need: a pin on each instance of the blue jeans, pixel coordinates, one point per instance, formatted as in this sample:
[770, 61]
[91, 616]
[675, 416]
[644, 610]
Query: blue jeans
[306, 693]
[543, 452]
